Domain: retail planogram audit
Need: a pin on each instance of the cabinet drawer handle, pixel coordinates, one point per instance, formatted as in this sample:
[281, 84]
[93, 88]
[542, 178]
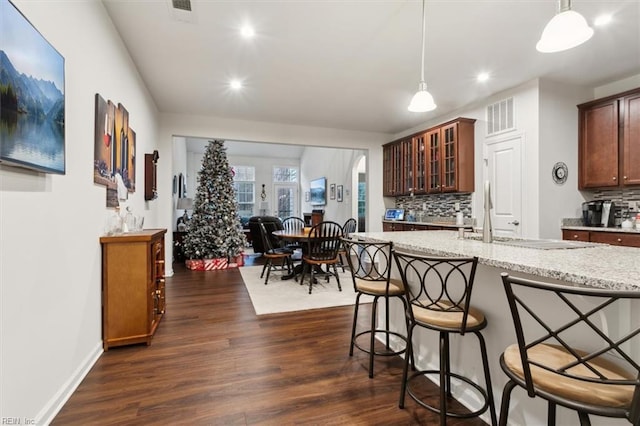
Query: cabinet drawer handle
[619, 240]
[575, 237]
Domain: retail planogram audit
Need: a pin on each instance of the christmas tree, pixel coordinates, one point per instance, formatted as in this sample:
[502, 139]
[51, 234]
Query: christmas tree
[214, 230]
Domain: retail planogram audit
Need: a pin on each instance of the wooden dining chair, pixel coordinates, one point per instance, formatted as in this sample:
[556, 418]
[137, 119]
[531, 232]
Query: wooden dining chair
[293, 225]
[349, 227]
[271, 254]
[322, 248]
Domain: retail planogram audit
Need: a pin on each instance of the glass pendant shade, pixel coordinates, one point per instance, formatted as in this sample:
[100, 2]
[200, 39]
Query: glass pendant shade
[564, 31]
[422, 101]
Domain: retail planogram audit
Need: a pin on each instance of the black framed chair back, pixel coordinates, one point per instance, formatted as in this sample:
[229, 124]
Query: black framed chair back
[324, 242]
[349, 227]
[439, 285]
[566, 351]
[266, 239]
[293, 225]
[369, 261]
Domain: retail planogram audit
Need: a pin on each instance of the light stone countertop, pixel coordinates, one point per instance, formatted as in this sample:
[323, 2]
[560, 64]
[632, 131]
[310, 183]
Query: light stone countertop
[602, 265]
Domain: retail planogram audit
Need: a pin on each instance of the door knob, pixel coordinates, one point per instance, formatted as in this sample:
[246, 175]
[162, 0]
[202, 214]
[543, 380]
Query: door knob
[515, 222]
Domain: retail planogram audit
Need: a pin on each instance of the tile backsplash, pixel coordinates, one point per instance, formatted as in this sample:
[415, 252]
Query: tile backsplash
[620, 197]
[437, 205]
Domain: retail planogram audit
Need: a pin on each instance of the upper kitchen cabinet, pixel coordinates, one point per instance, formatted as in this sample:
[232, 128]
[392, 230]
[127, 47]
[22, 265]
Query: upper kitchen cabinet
[439, 159]
[392, 169]
[450, 151]
[609, 141]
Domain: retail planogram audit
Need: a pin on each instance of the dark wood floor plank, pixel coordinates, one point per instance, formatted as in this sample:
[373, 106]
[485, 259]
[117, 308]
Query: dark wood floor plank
[214, 362]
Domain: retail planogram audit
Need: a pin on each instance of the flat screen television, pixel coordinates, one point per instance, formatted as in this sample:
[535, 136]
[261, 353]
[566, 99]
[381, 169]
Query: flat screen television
[32, 111]
[318, 191]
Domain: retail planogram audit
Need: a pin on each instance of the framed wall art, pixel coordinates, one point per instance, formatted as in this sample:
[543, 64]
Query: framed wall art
[32, 112]
[332, 191]
[339, 193]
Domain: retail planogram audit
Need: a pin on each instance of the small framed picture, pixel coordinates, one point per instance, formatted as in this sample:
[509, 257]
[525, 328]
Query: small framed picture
[332, 191]
[307, 196]
[175, 184]
[339, 193]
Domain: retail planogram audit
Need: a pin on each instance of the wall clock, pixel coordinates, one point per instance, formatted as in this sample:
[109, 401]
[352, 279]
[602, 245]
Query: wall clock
[559, 173]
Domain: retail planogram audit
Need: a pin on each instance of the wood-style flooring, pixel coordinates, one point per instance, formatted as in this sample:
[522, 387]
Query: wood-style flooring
[214, 362]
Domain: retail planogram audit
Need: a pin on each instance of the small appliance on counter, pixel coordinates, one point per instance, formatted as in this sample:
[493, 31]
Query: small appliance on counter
[592, 213]
[599, 213]
[608, 213]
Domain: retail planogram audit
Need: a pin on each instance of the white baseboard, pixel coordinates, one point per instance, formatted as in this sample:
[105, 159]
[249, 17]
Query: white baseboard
[55, 404]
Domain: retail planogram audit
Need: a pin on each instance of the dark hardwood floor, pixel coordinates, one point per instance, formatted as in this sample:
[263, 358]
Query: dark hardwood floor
[214, 362]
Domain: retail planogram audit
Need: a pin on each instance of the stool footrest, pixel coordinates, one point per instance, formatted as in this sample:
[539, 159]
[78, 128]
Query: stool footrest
[388, 351]
[425, 373]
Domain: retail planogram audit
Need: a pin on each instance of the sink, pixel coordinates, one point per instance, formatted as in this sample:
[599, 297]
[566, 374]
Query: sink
[536, 244]
[548, 244]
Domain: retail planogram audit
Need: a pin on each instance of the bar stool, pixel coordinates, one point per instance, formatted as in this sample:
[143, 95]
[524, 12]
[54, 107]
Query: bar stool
[438, 291]
[600, 378]
[370, 264]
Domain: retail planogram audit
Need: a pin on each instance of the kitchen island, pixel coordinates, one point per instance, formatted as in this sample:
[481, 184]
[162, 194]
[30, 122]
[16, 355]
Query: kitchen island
[595, 265]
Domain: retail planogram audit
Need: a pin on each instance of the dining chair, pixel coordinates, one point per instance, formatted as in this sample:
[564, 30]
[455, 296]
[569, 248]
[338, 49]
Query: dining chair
[349, 227]
[566, 353]
[370, 264]
[322, 247]
[271, 254]
[438, 293]
[293, 225]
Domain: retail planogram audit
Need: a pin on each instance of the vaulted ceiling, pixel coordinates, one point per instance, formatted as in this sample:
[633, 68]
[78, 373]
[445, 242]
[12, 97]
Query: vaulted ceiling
[355, 64]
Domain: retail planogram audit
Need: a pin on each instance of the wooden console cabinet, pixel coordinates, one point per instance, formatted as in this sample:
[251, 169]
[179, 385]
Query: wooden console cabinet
[133, 288]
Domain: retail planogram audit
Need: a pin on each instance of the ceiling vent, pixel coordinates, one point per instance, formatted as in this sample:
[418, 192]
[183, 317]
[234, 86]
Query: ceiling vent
[182, 5]
[500, 117]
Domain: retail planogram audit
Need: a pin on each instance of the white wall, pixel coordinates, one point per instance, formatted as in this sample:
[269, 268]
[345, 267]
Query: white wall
[337, 166]
[179, 165]
[559, 142]
[50, 257]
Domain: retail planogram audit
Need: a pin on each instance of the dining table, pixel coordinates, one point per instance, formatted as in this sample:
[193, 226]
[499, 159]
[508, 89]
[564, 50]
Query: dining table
[298, 236]
[301, 237]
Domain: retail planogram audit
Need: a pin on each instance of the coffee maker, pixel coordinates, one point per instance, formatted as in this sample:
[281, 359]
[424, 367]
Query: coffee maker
[592, 213]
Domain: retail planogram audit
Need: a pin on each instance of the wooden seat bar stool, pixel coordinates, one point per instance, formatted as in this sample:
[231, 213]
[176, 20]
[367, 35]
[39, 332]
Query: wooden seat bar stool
[566, 352]
[370, 264]
[438, 291]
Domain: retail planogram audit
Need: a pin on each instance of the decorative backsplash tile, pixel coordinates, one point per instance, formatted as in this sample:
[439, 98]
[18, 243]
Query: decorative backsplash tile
[620, 197]
[437, 205]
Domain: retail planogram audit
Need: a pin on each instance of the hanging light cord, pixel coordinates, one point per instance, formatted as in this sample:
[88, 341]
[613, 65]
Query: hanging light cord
[423, 31]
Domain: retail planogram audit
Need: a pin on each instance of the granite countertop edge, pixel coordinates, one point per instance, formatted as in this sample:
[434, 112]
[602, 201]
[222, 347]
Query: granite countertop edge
[584, 266]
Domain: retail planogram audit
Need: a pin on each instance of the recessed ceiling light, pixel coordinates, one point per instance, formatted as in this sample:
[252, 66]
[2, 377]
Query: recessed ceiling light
[483, 76]
[602, 20]
[247, 31]
[236, 84]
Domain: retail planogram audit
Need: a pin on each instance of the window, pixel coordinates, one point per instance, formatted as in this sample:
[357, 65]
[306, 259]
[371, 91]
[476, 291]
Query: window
[244, 185]
[285, 188]
[285, 174]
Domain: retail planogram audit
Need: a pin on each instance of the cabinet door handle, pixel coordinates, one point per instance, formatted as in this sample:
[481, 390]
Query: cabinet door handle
[615, 178]
[624, 177]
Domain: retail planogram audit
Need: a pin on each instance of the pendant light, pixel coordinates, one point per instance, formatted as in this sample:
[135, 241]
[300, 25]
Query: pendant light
[422, 101]
[567, 29]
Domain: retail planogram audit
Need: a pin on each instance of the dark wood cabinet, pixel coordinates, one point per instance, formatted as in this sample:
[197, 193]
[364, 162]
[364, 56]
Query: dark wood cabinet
[631, 140]
[392, 169]
[605, 237]
[439, 159]
[133, 287]
[609, 141]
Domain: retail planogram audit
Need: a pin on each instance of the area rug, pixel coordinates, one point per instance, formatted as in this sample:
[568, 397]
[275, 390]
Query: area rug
[288, 295]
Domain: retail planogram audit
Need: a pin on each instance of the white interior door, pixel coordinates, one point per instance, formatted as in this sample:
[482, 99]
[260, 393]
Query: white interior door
[285, 200]
[504, 167]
